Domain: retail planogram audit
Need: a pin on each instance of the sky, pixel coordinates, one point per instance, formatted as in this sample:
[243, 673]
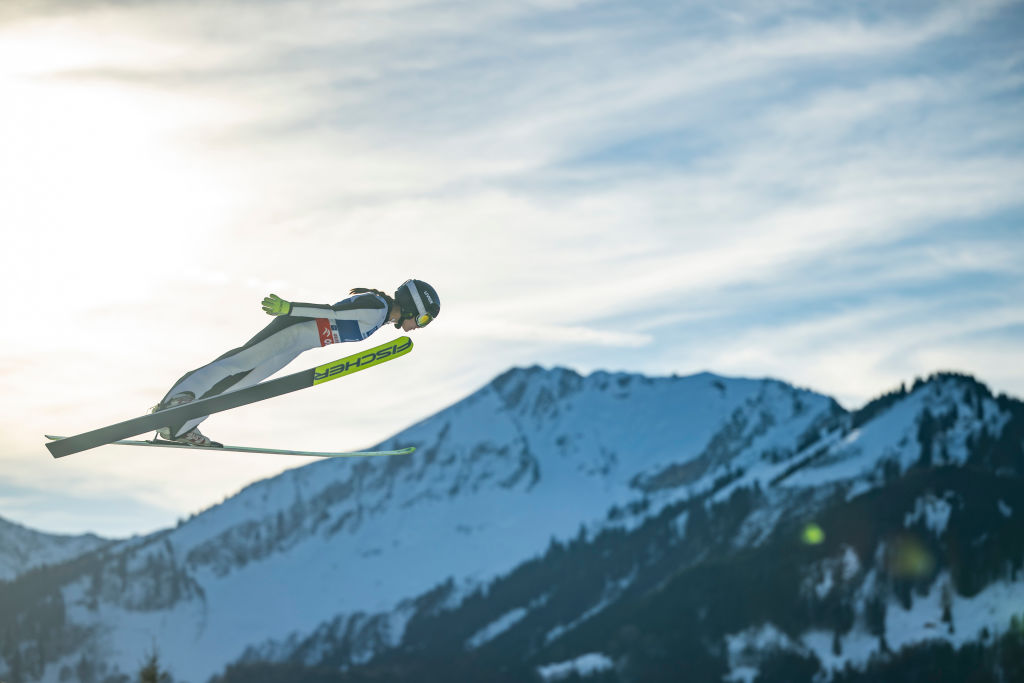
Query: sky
[831, 194]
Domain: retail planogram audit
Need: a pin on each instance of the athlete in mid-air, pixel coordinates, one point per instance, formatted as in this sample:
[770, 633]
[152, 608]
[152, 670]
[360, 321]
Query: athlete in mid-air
[297, 327]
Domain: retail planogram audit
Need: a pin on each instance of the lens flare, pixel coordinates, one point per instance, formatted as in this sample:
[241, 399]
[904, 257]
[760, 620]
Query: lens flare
[908, 558]
[812, 534]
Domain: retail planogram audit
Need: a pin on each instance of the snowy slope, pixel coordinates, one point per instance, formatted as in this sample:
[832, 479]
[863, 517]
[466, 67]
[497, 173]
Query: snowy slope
[22, 549]
[888, 572]
[531, 456]
[349, 551]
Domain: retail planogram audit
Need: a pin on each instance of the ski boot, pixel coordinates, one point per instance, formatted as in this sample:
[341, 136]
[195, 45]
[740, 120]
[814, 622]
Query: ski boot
[192, 437]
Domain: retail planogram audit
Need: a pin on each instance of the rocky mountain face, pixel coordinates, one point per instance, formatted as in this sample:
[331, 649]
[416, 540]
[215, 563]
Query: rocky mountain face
[23, 549]
[558, 527]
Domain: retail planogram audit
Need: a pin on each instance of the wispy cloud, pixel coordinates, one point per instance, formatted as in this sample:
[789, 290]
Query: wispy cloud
[828, 194]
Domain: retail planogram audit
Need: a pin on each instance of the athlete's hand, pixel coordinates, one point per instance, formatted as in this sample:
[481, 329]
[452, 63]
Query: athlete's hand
[275, 305]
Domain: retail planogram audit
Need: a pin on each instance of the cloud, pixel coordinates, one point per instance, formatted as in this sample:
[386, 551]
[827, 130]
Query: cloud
[510, 331]
[822, 193]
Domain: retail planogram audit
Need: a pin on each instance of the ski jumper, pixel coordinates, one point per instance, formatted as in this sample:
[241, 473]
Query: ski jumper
[305, 327]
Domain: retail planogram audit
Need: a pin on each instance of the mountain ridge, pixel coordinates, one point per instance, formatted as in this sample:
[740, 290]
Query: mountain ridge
[534, 458]
[24, 549]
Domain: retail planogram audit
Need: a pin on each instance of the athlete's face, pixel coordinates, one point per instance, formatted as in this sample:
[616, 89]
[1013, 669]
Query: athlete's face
[407, 325]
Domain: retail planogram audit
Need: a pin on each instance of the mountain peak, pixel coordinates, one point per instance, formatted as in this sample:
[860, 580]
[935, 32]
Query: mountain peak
[949, 378]
[515, 385]
[22, 549]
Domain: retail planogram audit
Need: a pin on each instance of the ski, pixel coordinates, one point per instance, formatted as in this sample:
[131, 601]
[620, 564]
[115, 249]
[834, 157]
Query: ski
[232, 399]
[160, 443]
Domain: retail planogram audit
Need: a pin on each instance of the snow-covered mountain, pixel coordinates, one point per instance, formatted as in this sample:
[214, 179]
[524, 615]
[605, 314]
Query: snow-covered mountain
[532, 515]
[22, 549]
[885, 544]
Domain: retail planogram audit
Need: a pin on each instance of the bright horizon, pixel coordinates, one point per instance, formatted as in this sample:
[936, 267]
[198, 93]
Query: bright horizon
[830, 197]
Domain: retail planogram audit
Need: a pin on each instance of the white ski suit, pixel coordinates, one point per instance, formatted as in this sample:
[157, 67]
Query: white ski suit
[305, 327]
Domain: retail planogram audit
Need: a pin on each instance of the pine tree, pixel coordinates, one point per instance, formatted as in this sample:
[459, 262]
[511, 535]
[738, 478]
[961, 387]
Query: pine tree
[151, 672]
[947, 606]
[874, 615]
[925, 436]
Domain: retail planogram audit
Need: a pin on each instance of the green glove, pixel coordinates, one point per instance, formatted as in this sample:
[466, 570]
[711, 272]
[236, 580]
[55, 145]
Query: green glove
[275, 305]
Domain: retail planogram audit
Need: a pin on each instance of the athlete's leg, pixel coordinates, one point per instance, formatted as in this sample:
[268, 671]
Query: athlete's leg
[263, 355]
[267, 368]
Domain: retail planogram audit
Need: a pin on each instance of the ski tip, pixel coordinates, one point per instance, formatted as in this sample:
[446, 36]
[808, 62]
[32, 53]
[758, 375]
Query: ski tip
[363, 454]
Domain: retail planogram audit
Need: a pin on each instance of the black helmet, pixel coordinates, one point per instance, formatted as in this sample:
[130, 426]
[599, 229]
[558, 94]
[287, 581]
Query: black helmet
[418, 300]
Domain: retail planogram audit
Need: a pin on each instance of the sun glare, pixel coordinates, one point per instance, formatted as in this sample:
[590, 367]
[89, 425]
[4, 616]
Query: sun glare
[101, 174]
